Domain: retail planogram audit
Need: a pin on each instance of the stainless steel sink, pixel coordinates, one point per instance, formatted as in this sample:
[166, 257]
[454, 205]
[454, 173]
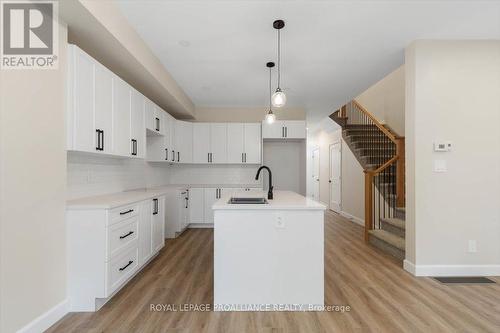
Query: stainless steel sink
[242, 201]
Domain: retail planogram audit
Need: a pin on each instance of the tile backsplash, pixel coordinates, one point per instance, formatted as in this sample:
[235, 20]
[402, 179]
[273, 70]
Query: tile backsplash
[90, 175]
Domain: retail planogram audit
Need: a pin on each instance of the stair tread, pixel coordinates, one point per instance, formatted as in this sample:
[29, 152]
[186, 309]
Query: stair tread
[396, 241]
[399, 223]
[401, 209]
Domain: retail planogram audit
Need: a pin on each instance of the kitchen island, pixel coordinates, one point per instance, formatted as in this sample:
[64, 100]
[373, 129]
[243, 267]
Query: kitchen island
[269, 257]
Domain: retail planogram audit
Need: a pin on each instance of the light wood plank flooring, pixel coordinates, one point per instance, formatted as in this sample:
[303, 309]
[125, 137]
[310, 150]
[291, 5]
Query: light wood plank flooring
[382, 296]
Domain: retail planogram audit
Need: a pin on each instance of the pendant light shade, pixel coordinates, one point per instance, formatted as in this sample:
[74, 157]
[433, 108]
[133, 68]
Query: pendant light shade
[278, 99]
[270, 117]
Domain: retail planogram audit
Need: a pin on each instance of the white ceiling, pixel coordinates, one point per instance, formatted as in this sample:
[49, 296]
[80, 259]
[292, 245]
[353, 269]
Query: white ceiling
[331, 50]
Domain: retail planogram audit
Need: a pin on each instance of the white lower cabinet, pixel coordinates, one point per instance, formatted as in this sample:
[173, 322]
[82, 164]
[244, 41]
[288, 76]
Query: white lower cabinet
[106, 247]
[201, 201]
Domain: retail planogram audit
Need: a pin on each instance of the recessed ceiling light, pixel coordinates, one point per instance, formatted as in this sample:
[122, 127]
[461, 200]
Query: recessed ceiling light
[184, 43]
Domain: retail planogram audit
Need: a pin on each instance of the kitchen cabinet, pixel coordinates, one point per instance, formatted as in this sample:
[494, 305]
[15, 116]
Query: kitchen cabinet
[137, 132]
[196, 205]
[218, 143]
[103, 114]
[287, 129]
[89, 105]
[201, 143]
[244, 144]
[154, 119]
[177, 208]
[209, 143]
[108, 246]
[121, 117]
[145, 232]
[183, 141]
[253, 143]
[158, 223]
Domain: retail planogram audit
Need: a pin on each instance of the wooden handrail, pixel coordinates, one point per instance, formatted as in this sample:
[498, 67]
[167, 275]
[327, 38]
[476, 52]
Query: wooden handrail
[381, 127]
[384, 166]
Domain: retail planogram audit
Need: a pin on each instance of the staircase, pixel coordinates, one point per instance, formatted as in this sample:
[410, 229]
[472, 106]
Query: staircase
[381, 154]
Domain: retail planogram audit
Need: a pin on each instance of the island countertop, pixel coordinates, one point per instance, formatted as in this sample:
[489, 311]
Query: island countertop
[283, 200]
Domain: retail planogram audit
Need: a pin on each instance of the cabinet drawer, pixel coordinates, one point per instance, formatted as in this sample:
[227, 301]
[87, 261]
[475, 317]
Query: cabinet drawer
[120, 235]
[122, 213]
[119, 269]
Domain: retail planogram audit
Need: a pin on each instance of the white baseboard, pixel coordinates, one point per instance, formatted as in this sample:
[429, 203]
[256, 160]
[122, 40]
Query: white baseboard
[353, 218]
[451, 270]
[47, 319]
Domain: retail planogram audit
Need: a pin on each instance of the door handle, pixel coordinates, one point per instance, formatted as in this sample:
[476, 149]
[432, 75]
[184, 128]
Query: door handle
[134, 147]
[173, 155]
[286, 132]
[166, 154]
[98, 145]
[178, 157]
[208, 157]
[245, 157]
[242, 158]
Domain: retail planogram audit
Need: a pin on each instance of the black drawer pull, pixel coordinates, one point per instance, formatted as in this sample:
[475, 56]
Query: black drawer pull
[124, 267]
[126, 212]
[126, 235]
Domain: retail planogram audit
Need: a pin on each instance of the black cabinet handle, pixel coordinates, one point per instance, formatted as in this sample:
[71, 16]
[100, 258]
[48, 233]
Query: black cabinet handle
[98, 146]
[286, 132]
[166, 154]
[186, 202]
[102, 139]
[155, 206]
[173, 155]
[134, 147]
[282, 132]
[124, 267]
[242, 158]
[126, 212]
[178, 157]
[208, 157]
[157, 124]
[126, 235]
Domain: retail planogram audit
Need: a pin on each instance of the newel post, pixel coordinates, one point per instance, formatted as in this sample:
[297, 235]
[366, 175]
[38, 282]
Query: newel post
[400, 172]
[368, 203]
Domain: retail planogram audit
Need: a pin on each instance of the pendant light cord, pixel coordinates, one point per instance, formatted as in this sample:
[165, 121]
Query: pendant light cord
[270, 89]
[279, 58]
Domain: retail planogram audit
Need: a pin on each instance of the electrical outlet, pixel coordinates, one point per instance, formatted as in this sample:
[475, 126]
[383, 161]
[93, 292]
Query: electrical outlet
[280, 223]
[472, 246]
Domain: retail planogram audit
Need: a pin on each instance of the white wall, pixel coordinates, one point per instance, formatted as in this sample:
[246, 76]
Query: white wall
[32, 192]
[453, 94]
[386, 100]
[90, 175]
[287, 161]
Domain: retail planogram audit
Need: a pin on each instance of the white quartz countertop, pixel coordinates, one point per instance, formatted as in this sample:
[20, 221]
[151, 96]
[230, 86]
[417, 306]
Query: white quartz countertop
[113, 200]
[283, 200]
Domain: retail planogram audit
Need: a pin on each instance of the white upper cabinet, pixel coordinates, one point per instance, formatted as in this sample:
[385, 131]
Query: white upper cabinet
[138, 134]
[295, 129]
[253, 144]
[82, 132]
[104, 106]
[183, 141]
[235, 142]
[244, 143]
[201, 143]
[209, 143]
[288, 129]
[155, 122]
[218, 143]
[121, 117]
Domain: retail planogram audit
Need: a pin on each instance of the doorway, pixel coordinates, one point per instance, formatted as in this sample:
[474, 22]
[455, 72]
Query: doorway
[315, 174]
[334, 180]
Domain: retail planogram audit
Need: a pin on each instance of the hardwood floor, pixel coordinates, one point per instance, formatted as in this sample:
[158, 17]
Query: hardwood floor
[381, 295]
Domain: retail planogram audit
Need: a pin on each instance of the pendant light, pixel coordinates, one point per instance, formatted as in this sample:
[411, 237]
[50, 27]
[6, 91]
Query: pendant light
[270, 117]
[279, 98]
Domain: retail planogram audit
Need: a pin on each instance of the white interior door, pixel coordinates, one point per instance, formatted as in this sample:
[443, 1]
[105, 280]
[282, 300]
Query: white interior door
[335, 181]
[315, 174]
